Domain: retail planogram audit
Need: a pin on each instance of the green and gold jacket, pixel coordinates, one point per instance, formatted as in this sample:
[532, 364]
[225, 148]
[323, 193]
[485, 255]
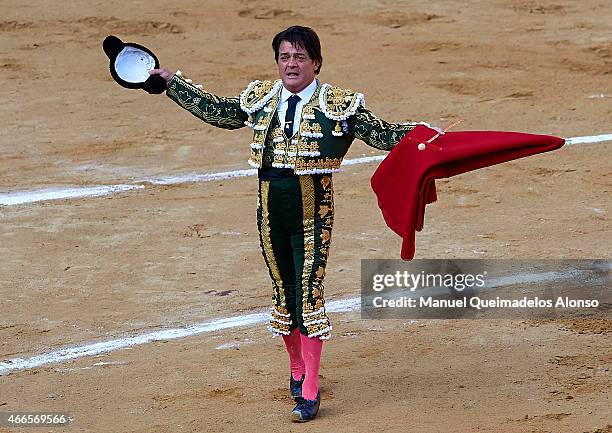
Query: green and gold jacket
[330, 121]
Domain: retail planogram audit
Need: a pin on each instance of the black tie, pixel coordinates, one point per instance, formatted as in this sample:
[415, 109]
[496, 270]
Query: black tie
[290, 114]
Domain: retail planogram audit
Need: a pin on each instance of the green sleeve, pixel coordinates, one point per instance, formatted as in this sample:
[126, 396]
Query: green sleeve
[216, 110]
[378, 133]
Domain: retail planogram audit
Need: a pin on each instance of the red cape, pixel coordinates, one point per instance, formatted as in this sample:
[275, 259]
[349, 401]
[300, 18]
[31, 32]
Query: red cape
[405, 181]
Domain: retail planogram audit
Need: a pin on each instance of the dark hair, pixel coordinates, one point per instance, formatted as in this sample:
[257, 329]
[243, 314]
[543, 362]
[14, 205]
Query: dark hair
[303, 37]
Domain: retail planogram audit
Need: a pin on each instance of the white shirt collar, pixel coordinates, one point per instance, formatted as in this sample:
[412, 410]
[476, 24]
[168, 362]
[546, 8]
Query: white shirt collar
[304, 95]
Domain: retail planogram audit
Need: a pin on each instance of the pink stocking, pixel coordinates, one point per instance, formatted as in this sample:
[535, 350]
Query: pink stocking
[312, 348]
[294, 349]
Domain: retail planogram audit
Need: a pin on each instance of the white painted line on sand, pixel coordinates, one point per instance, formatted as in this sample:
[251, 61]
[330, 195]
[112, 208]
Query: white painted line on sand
[200, 177]
[589, 139]
[92, 349]
[338, 306]
[13, 198]
[22, 197]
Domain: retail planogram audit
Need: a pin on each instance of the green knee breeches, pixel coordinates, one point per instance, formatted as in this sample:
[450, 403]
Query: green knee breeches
[295, 217]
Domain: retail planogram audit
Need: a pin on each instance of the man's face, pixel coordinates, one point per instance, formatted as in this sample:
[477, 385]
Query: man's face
[295, 67]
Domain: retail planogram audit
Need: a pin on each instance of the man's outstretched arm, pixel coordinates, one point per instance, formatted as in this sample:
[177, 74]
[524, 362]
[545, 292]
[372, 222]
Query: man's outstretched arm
[378, 133]
[215, 110]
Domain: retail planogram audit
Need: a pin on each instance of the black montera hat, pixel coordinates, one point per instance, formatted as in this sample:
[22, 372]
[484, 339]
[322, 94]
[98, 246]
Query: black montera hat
[130, 65]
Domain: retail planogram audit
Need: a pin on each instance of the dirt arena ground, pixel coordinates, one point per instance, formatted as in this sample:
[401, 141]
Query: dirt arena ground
[93, 269]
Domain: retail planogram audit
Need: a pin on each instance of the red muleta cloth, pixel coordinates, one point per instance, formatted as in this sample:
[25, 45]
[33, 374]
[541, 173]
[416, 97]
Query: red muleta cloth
[404, 182]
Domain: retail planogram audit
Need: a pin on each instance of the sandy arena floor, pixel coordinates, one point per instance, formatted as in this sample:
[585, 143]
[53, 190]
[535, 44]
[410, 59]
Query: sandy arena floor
[83, 270]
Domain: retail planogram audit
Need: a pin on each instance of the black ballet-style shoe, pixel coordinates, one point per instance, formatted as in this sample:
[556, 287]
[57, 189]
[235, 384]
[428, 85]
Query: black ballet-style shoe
[306, 410]
[295, 386]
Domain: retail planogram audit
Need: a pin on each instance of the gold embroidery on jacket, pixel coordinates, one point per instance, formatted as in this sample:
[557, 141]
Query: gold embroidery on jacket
[329, 164]
[377, 132]
[216, 110]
